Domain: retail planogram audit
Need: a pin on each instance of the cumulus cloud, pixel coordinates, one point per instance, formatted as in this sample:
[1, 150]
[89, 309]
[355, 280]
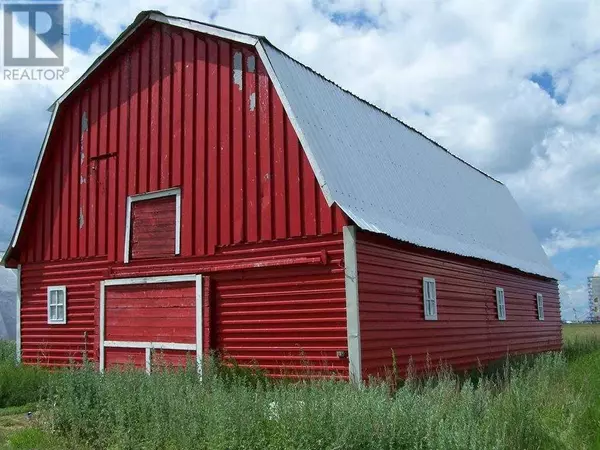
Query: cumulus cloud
[561, 240]
[465, 73]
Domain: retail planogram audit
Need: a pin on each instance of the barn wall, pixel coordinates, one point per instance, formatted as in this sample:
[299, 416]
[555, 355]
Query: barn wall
[467, 329]
[174, 108]
[280, 305]
[59, 345]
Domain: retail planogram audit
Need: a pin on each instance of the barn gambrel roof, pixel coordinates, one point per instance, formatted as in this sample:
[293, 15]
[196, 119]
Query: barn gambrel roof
[387, 177]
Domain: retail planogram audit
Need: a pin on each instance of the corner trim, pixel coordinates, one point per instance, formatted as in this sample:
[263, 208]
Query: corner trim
[352, 306]
[18, 317]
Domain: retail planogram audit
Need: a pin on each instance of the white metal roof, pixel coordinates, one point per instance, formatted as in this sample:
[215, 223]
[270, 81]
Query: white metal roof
[385, 176]
[392, 180]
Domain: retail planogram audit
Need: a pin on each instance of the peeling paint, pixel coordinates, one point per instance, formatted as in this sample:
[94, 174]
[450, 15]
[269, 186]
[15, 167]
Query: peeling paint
[267, 176]
[237, 70]
[252, 101]
[81, 219]
[82, 180]
[84, 122]
[251, 64]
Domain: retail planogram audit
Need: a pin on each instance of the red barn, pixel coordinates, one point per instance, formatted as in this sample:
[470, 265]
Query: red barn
[198, 189]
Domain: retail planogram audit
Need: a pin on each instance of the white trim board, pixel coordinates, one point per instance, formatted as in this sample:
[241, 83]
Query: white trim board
[150, 280]
[18, 317]
[147, 345]
[352, 305]
[151, 196]
[150, 345]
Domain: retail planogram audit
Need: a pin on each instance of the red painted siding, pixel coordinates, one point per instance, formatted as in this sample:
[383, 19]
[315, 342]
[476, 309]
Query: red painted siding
[172, 358]
[153, 228]
[166, 112]
[125, 357]
[162, 312]
[269, 303]
[290, 320]
[467, 330]
[60, 344]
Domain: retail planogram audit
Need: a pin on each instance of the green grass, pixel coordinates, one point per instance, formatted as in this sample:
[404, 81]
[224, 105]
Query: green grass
[19, 385]
[581, 331]
[551, 401]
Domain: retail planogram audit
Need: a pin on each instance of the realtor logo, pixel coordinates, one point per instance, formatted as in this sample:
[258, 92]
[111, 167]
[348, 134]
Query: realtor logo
[33, 34]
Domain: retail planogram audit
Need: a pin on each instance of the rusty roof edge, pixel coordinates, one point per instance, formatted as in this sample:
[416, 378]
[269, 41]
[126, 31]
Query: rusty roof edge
[377, 108]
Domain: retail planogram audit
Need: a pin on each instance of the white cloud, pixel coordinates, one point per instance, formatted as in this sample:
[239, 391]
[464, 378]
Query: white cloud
[560, 240]
[596, 271]
[457, 70]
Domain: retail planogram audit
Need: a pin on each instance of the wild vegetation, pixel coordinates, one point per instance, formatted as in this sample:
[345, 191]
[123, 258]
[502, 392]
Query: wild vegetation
[548, 401]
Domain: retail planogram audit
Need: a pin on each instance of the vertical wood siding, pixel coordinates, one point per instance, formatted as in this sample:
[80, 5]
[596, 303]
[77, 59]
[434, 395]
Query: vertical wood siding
[467, 330]
[153, 228]
[174, 109]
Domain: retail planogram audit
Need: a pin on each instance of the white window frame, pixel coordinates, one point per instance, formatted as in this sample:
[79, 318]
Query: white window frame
[501, 303]
[151, 196]
[429, 303]
[540, 305]
[59, 290]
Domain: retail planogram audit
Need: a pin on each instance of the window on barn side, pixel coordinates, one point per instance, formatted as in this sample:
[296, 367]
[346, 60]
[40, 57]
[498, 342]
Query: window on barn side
[429, 298]
[540, 306]
[153, 227]
[57, 305]
[500, 303]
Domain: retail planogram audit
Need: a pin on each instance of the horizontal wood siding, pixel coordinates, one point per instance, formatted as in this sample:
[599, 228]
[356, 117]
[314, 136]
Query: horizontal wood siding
[159, 312]
[287, 320]
[167, 359]
[125, 358]
[167, 111]
[59, 345]
[153, 228]
[467, 330]
[280, 305]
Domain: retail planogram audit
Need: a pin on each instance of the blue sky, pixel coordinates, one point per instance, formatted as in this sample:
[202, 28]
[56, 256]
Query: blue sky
[511, 87]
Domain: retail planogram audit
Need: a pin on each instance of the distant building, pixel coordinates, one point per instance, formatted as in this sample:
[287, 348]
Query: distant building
[594, 298]
[200, 190]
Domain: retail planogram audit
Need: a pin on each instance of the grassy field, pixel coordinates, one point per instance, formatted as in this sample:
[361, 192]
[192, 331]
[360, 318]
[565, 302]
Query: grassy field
[550, 401]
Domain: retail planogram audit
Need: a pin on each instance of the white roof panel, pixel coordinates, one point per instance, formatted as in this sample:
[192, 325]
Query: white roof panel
[390, 179]
[385, 176]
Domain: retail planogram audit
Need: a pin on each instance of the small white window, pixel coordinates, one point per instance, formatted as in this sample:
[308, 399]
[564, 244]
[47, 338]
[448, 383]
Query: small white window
[429, 299]
[500, 304]
[540, 306]
[57, 305]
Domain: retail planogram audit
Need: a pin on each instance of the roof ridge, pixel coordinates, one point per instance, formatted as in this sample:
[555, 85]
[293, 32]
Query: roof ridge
[380, 110]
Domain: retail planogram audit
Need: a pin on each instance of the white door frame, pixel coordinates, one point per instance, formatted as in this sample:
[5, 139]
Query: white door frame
[149, 346]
